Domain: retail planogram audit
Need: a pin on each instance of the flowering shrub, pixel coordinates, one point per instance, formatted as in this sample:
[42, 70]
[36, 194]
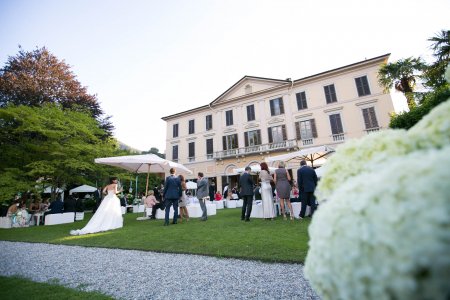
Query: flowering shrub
[384, 231]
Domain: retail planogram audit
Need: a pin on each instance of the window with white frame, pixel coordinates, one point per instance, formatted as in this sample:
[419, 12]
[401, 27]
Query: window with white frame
[230, 141]
[191, 126]
[175, 153]
[277, 134]
[250, 112]
[252, 138]
[175, 130]
[276, 107]
[208, 122]
[336, 124]
[301, 101]
[209, 148]
[370, 119]
[191, 147]
[362, 85]
[306, 130]
[330, 93]
[229, 117]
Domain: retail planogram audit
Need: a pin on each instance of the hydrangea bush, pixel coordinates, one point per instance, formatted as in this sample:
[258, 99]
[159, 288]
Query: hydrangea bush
[384, 231]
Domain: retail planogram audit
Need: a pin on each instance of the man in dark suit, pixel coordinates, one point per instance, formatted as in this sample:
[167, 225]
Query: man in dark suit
[69, 204]
[172, 193]
[56, 207]
[247, 186]
[307, 182]
[98, 199]
[202, 193]
[159, 202]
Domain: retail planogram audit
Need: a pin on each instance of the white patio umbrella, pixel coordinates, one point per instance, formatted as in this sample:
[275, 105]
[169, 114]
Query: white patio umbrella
[83, 189]
[147, 163]
[255, 169]
[309, 154]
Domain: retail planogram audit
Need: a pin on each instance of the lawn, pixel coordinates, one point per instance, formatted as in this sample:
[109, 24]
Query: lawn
[21, 288]
[223, 235]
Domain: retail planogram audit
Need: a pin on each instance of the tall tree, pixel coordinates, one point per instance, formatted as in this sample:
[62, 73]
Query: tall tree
[441, 51]
[402, 75]
[56, 146]
[37, 77]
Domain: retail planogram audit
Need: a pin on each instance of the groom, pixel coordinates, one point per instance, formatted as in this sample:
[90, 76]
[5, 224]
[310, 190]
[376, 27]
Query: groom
[172, 193]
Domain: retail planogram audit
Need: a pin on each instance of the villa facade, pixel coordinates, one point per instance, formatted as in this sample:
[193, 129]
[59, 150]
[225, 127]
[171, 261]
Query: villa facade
[260, 117]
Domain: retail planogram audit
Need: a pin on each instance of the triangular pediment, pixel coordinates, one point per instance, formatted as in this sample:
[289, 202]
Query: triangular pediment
[248, 85]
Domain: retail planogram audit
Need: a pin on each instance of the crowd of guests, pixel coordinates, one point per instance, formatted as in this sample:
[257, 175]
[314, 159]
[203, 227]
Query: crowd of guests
[269, 189]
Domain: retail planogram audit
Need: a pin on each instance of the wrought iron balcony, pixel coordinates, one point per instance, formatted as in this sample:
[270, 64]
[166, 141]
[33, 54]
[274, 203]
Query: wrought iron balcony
[272, 147]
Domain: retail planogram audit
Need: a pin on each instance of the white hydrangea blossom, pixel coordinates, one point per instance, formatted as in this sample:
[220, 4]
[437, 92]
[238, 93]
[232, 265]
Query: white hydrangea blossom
[434, 129]
[362, 155]
[385, 234]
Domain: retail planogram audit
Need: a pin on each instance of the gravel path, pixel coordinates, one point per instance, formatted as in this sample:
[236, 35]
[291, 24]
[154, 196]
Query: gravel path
[131, 274]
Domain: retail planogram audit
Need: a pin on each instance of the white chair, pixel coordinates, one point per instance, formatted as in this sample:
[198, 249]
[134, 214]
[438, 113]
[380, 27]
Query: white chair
[161, 214]
[138, 208]
[257, 210]
[231, 203]
[124, 209]
[239, 203]
[297, 207]
[219, 204]
[211, 209]
[5, 222]
[79, 216]
[54, 219]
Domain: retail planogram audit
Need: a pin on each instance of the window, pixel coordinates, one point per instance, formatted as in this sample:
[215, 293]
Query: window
[230, 141]
[301, 101]
[276, 107]
[208, 122]
[209, 148]
[370, 119]
[191, 126]
[306, 130]
[250, 113]
[277, 134]
[362, 85]
[336, 124]
[191, 151]
[229, 117]
[175, 130]
[175, 153]
[252, 138]
[330, 93]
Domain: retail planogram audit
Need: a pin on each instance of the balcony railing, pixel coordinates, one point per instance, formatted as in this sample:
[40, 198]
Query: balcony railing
[370, 130]
[338, 137]
[307, 142]
[256, 149]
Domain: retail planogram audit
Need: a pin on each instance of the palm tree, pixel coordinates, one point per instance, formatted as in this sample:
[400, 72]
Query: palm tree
[441, 51]
[402, 76]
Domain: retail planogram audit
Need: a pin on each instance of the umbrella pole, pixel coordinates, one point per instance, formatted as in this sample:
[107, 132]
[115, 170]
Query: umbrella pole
[146, 186]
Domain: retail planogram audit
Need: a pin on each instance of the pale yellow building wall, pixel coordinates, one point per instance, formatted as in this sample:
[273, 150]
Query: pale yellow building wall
[348, 104]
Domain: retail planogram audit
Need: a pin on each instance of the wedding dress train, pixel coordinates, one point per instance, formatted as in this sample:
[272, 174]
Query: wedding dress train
[108, 216]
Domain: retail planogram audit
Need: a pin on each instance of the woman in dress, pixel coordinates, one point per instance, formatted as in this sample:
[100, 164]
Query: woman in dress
[266, 192]
[108, 215]
[283, 187]
[183, 201]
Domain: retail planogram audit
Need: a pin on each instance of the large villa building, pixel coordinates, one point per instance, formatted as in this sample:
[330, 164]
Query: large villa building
[261, 117]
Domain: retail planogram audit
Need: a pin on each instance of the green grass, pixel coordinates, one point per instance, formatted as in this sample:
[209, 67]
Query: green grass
[20, 288]
[223, 235]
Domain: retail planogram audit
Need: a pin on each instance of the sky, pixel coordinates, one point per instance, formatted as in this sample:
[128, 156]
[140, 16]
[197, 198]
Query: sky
[149, 59]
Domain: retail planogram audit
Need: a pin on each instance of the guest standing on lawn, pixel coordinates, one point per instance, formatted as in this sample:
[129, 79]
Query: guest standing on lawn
[266, 192]
[172, 193]
[202, 194]
[247, 186]
[307, 182]
[183, 201]
[283, 188]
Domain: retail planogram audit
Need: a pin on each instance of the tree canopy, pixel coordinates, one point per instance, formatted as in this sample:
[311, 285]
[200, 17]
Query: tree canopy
[38, 77]
[56, 146]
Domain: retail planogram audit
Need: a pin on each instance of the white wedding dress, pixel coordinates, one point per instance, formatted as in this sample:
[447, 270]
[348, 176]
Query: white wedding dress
[108, 216]
[266, 195]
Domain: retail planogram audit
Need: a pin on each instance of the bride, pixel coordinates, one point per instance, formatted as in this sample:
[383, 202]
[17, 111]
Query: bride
[108, 215]
[266, 192]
